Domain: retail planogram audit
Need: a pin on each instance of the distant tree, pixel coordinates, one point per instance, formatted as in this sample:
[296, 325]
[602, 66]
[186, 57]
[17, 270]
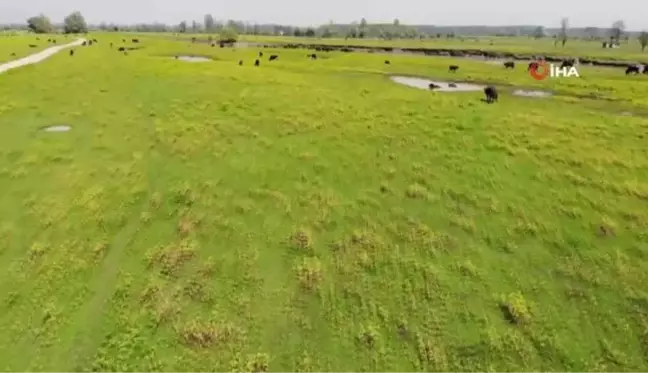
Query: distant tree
[396, 22]
[297, 32]
[539, 32]
[326, 33]
[617, 30]
[228, 34]
[592, 32]
[363, 24]
[39, 24]
[255, 29]
[309, 32]
[75, 24]
[182, 27]
[194, 26]
[361, 34]
[209, 23]
[643, 40]
[564, 29]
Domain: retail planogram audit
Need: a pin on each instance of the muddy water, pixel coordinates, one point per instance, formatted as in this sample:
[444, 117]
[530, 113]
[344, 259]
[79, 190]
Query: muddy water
[423, 83]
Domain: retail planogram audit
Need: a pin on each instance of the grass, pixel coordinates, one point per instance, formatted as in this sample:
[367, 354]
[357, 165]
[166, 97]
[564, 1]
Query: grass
[17, 46]
[629, 51]
[314, 216]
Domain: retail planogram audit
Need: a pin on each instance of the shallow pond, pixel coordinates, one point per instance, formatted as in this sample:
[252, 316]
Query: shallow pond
[61, 128]
[192, 58]
[423, 83]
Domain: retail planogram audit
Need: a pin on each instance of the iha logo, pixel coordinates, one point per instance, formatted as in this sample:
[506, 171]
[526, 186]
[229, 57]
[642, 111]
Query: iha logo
[542, 70]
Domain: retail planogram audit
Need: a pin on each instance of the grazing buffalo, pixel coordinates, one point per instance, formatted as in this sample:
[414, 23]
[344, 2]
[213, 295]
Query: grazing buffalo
[257, 62]
[33, 45]
[387, 62]
[121, 49]
[213, 45]
[273, 57]
[49, 40]
[95, 40]
[312, 56]
[452, 85]
[135, 41]
[71, 52]
[240, 62]
[453, 68]
[645, 70]
[260, 54]
[433, 86]
[84, 43]
[123, 40]
[491, 94]
[54, 41]
[89, 42]
[13, 55]
[632, 69]
[509, 65]
[111, 45]
[567, 63]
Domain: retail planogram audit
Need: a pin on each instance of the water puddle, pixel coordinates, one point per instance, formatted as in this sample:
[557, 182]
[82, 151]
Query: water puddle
[192, 58]
[62, 128]
[423, 83]
[532, 93]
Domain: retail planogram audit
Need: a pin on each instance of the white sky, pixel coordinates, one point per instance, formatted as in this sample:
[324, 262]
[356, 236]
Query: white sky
[303, 13]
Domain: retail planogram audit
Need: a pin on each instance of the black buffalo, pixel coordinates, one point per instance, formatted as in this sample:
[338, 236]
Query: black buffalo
[509, 65]
[273, 57]
[453, 68]
[632, 69]
[387, 62]
[240, 62]
[257, 62]
[452, 85]
[71, 52]
[645, 69]
[567, 63]
[121, 49]
[84, 43]
[491, 94]
[433, 86]
[33, 45]
[135, 40]
[312, 56]
[260, 54]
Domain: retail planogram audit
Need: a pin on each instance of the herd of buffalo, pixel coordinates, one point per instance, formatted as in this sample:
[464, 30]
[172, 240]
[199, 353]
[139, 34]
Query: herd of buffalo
[489, 91]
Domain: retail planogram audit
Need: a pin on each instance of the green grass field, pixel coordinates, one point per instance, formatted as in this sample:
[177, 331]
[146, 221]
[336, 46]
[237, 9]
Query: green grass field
[315, 216]
[629, 51]
[19, 44]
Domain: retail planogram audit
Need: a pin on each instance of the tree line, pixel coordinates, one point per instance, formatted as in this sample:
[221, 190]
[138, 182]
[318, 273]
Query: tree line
[75, 23]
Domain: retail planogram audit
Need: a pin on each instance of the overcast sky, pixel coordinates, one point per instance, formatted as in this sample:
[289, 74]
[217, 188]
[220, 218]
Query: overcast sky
[299, 12]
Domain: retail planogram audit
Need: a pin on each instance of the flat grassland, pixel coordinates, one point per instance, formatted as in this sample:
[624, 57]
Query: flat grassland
[315, 216]
[19, 44]
[629, 50]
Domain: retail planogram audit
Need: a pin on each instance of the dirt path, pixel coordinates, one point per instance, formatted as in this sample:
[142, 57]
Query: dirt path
[38, 57]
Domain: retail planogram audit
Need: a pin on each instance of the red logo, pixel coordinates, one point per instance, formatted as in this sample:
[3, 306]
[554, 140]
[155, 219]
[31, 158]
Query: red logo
[540, 70]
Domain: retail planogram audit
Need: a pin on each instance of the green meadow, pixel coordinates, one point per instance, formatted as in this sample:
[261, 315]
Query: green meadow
[316, 216]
